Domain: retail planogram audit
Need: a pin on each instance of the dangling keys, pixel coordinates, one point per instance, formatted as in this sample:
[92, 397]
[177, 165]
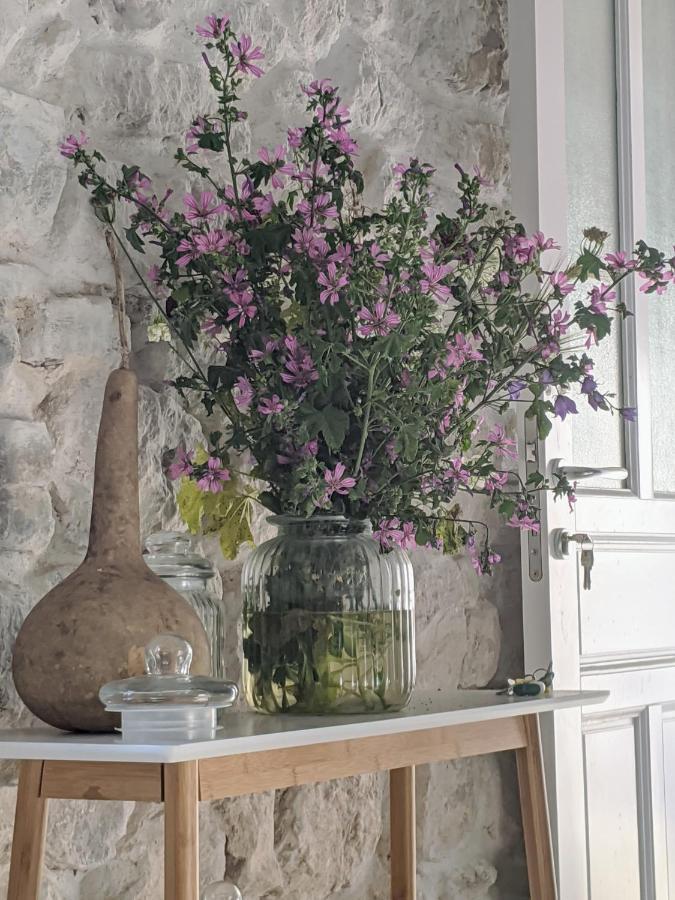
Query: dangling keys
[587, 560]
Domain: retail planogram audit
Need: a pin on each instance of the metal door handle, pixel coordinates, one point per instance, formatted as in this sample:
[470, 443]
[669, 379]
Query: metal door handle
[583, 473]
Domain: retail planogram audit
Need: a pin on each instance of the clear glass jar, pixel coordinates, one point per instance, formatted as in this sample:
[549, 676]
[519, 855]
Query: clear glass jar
[329, 620]
[170, 555]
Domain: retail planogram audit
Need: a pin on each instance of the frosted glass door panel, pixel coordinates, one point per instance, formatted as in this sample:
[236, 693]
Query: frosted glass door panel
[592, 178]
[658, 18]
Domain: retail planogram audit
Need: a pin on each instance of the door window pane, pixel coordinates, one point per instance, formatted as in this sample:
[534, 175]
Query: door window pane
[658, 26]
[592, 178]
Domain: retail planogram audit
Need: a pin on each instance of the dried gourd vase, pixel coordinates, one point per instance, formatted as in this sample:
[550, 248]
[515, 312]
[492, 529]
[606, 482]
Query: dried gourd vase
[92, 627]
[329, 620]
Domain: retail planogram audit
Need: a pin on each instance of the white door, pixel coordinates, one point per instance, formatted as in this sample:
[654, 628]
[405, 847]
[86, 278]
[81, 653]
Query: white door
[593, 143]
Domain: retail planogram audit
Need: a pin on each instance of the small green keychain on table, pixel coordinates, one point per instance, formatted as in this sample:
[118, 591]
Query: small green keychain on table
[533, 685]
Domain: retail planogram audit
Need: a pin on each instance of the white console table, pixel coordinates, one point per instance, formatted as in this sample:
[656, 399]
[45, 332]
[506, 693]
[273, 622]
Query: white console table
[257, 753]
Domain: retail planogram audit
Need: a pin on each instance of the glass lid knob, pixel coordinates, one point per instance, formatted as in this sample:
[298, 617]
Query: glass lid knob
[168, 654]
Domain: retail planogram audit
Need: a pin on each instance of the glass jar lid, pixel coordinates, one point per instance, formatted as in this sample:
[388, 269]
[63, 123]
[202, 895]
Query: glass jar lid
[170, 555]
[167, 681]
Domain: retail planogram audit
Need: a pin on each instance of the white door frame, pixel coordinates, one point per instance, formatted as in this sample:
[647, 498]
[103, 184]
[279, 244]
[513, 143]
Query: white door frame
[540, 200]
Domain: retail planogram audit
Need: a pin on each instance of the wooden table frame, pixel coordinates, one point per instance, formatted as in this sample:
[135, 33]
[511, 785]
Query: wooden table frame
[181, 785]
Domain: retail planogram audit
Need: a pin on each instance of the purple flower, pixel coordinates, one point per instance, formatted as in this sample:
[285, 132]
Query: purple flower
[600, 297]
[139, 183]
[495, 481]
[343, 141]
[619, 260]
[213, 27]
[431, 283]
[212, 480]
[245, 55]
[596, 400]
[181, 465]
[309, 241]
[242, 307]
[389, 533]
[460, 351]
[263, 205]
[332, 280]
[237, 282]
[212, 242]
[380, 257]
[589, 385]
[457, 472]
[520, 248]
[563, 406]
[378, 322]
[188, 250]
[525, 523]
[72, 144]
[408, 541]
[653, 284]
[482, 180]
[515, 388]
[322, 86]
[629, 413]
[275, 159]
[211, 326]
[295, 136]
[202, 208]
[242, 394]
[474, 554]
[544, 243]
[299, 365]
[503, 445]
[337, 482]
[561, 283]
[256, 355]
[270, 406]
[321, 205]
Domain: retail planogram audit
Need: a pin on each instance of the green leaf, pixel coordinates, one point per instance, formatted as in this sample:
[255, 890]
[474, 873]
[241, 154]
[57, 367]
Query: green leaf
[227, 513]
[332, 422]
[211, 140]
[539, 410]
[189, 500]
[409, 441]
[133, 238]
[181, 293]
[220, 376]
[589, 264]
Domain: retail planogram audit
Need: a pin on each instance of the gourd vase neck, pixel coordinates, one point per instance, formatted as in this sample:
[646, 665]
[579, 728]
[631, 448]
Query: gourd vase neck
[114, 534]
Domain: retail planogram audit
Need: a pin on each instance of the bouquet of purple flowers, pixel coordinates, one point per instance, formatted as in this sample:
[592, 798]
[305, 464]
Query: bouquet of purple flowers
[355, 353]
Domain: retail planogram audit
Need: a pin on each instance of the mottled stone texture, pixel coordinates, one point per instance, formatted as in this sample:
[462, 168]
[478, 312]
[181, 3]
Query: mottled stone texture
[422, 78]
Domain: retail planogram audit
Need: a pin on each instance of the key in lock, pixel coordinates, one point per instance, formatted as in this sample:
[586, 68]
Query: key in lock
[561, 550]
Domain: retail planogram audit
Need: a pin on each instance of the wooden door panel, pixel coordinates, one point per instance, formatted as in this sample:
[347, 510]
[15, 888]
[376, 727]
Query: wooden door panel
[612, 812]
[631, 602]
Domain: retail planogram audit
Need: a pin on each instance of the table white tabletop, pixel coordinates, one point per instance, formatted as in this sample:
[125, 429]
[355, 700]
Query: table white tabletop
[249, 732]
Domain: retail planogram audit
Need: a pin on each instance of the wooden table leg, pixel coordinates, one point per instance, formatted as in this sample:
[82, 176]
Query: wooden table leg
[30, 822]
[402, 827]
[181, 831]
[536, 830]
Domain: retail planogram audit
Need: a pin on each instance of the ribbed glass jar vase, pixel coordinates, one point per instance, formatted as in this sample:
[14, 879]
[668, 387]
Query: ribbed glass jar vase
[329, 620]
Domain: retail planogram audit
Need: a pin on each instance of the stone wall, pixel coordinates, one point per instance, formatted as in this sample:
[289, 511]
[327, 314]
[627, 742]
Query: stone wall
[424, 78]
